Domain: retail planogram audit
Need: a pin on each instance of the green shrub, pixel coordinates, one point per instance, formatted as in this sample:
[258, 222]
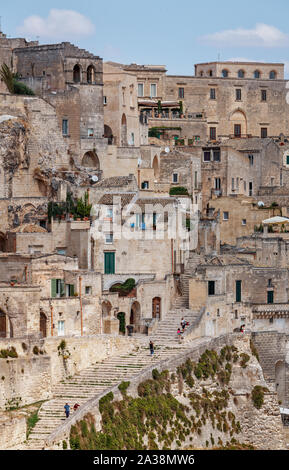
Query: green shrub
[258, 396]
[123, 386]
[178, 190]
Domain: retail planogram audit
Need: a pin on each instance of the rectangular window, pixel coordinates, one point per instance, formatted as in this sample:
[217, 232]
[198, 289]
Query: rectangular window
[64, 126]
[250, 188]
[109, 213]
[263, 132]
[181, 92]
[212, 93]
[153, 90]
[108, 238]
[217, 183]
[211, 287]
[207, 156]
[251, 159]
[69, 290]
[90, 132]
[105, 100]
[237, 130]
[233, 184]
[238, 291]
[244, 222]
[57, 288]
[145, 185]
[238, 94]
[175, 177]
[60, 328]
[225, 215]
[216, 155]
[196, 180]
[213, 133]
[88, 290]
[140, 89]
[287, 159]
[263, 95]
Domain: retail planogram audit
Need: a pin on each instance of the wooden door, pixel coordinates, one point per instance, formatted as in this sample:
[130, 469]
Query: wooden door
[156, 307]
[3, 327]
[43, 320]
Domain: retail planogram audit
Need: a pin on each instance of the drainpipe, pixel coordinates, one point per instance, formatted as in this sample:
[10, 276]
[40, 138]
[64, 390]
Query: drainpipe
[80, 301]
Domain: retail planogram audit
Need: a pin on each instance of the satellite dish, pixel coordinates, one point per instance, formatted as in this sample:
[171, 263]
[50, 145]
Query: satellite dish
[94, 179]
[167, 150]
[261, 204]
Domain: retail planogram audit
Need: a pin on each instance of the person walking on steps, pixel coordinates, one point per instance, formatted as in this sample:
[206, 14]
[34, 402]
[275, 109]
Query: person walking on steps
[152, 348]
[67, 410]
[183, 324]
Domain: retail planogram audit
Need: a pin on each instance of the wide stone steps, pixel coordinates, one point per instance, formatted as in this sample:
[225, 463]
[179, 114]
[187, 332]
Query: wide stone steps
[51, 414]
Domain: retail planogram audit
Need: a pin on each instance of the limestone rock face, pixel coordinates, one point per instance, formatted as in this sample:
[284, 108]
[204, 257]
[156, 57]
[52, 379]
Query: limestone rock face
[13, 146]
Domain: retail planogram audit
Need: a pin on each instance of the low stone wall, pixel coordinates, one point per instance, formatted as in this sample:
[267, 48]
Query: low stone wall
[12, 431]
[81, 352]
[255, 420]
[31, 377]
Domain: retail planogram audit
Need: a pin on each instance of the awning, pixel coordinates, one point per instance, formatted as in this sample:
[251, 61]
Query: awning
[276, 220]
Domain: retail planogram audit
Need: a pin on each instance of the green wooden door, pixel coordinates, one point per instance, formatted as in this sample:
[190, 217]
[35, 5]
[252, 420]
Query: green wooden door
[109, 262]
[270, 297]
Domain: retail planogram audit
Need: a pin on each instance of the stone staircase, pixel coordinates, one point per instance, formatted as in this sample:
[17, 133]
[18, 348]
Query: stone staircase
[192, 263]
[166, 330]
[96, 379]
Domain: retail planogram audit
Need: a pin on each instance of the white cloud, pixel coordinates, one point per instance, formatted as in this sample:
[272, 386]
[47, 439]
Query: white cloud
[262, 35]
[60, 24]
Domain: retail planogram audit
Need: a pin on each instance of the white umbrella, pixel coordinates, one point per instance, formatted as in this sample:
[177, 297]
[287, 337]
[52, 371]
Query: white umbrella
[276, 220]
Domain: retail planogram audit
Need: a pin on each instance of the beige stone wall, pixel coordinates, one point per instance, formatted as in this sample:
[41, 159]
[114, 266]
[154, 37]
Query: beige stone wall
[12, 431]
[120, 89]
[243, 217]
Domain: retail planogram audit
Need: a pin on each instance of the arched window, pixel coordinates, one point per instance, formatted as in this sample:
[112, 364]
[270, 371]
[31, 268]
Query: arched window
[90, 74]
[272, 75]
[201, 73]
[210, 73]
[225, 73]
[76, 73]
[241, 74]
[256, 74]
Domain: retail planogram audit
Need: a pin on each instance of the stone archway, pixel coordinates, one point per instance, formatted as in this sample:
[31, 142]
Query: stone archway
[156, 307]
[3, 324]
[135, 313]
[90, 74]
[238, 123]
[156, 167]
[77, 73]
[108, 134]
[90, 160]
[43, 325]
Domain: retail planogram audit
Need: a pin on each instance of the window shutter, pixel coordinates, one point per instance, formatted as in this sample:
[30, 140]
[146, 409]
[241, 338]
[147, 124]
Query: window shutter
[71, 290]
[53, 287]
[62, 288]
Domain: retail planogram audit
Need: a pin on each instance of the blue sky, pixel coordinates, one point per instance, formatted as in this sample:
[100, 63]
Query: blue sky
[176, 33]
